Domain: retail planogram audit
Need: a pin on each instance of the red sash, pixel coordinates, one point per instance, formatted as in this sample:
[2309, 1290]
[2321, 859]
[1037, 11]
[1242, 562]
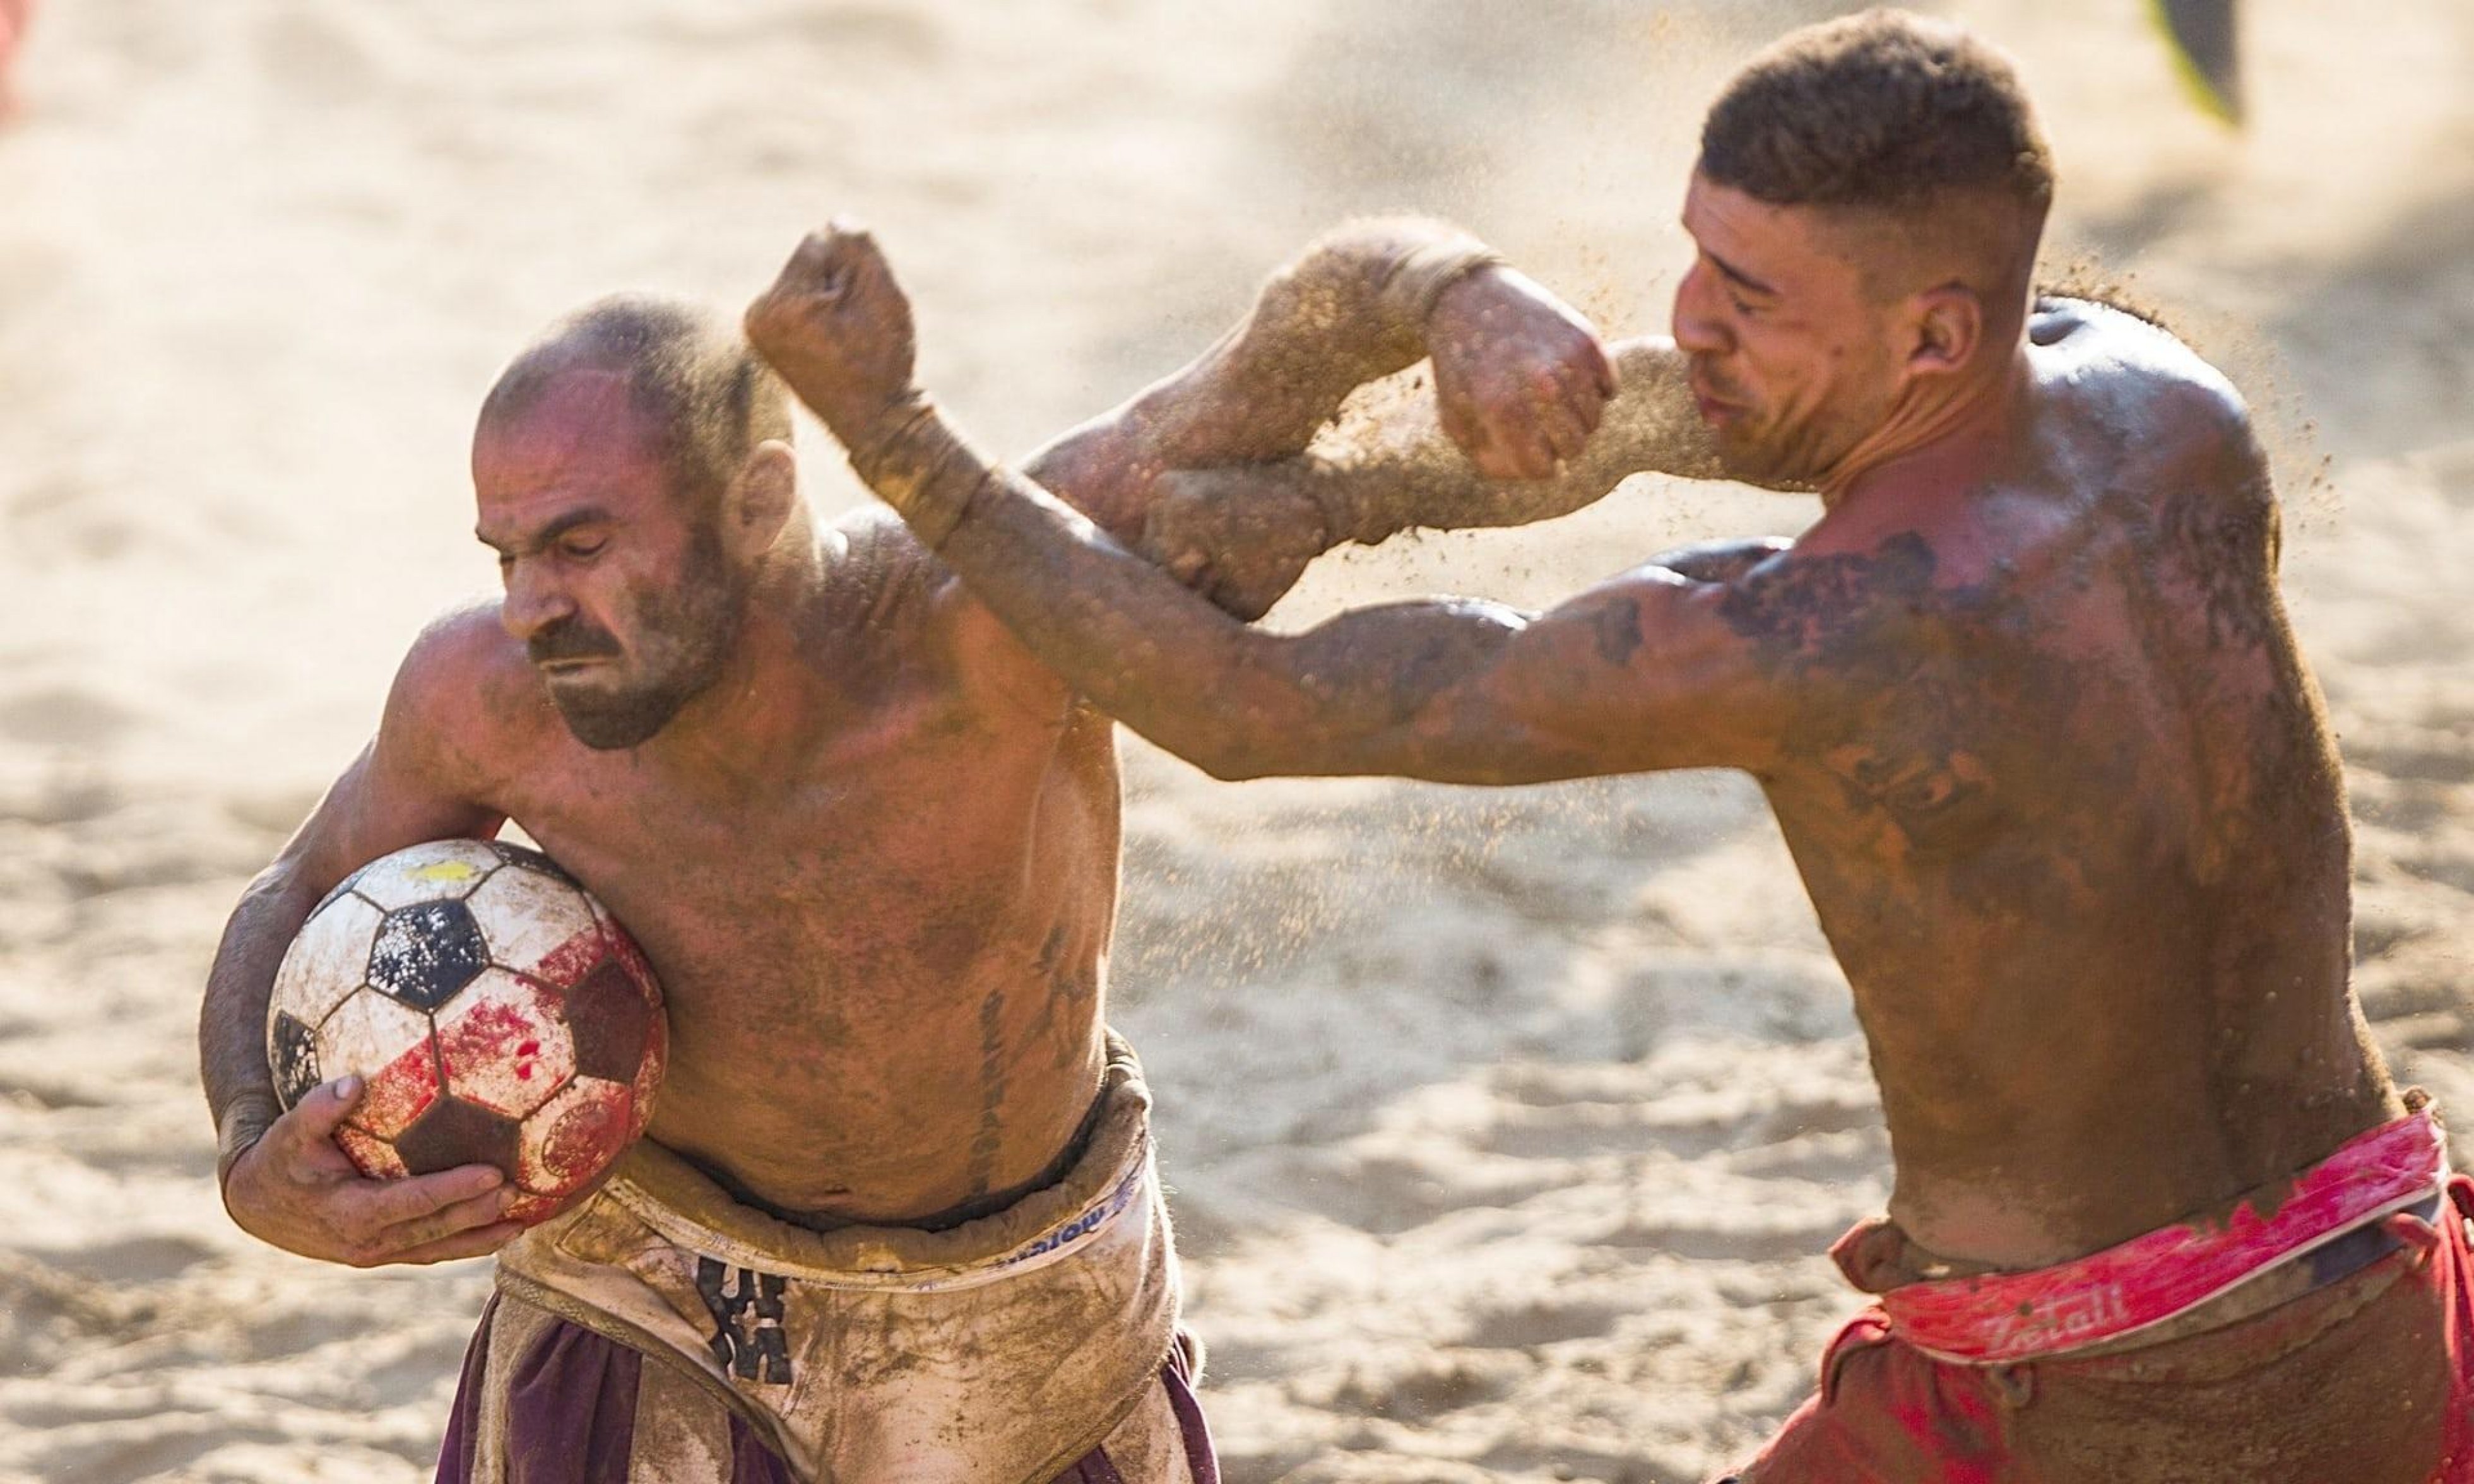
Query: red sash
[2004, 1317]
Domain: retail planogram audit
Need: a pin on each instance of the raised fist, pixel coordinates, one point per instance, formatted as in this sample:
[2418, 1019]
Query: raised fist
[837, 327]
[1519, 377]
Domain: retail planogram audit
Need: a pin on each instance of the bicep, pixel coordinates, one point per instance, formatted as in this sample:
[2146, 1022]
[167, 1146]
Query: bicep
[1643, 673]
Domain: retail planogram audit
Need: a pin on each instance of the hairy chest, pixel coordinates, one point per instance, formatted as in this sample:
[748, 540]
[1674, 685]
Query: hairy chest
[887, 868]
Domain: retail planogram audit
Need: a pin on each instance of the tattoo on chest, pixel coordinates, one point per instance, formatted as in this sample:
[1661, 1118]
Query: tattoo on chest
[986, 1140]
[1073, 981]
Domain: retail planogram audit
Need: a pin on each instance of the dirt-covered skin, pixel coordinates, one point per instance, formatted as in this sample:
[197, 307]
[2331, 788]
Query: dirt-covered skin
[873, 851]
[2024, 700]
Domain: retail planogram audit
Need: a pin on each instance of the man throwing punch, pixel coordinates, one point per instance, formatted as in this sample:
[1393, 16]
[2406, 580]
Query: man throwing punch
[895, 1217]
[2026, 706]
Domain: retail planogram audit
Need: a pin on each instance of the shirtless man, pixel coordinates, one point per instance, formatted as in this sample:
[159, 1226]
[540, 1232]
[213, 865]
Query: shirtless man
[870, 843]
[2026, 707]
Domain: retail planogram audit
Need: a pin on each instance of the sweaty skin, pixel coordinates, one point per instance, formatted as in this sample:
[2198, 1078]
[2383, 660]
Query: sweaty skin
[875, 864]
[2024, 702]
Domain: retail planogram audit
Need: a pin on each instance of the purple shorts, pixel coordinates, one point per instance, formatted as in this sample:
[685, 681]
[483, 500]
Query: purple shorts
[570, 1417]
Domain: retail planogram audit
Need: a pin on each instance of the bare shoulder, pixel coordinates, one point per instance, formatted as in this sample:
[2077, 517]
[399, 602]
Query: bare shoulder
[894, 620]
[466, 705]
[1830, 604]
[2133, 386]
[1743, 635]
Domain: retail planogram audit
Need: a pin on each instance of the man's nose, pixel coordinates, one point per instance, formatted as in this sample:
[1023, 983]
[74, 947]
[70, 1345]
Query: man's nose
[534, 600]
[1697, 329]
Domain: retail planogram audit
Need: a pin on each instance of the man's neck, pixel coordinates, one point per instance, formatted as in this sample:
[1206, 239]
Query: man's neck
[754, 720]
[1955, 440]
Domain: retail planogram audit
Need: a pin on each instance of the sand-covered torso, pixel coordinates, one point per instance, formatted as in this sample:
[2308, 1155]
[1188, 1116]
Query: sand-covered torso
[2060, 787]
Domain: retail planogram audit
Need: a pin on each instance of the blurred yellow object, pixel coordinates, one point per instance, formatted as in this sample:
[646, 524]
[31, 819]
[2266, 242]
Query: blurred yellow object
[2202, 35]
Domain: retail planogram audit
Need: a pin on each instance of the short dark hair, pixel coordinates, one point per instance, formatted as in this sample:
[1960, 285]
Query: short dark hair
[1882, 110]
[704, 393]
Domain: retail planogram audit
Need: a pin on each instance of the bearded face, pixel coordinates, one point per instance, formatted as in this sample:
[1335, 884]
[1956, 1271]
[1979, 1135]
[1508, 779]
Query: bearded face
[617, 583]
[665, 644]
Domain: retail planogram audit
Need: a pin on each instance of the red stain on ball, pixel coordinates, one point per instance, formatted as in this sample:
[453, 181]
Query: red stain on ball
[398, 1092]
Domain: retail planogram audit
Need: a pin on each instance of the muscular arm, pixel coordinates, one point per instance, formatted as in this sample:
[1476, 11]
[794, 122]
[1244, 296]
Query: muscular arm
[1408, 474]
[1656, 670]
[1519, 381]
[1349, 309]
[1653, 670]
[285, 1180]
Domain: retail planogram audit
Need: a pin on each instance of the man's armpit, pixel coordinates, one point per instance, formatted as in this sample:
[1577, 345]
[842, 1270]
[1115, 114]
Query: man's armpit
[1722, 560]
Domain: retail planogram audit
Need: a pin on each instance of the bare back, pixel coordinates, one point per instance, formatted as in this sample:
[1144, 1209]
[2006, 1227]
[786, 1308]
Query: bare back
[2061, 789]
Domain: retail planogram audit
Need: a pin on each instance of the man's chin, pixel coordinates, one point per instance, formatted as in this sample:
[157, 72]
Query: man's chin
[613, 725]
[1760, 462]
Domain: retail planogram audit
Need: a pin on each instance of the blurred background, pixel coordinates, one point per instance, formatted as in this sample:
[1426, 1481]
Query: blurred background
[1507, 1127]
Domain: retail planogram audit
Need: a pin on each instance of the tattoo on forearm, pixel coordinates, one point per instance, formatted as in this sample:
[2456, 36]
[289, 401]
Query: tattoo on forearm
[1617, 630]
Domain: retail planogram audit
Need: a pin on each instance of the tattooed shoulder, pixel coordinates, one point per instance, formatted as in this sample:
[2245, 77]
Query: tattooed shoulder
[1819, 610]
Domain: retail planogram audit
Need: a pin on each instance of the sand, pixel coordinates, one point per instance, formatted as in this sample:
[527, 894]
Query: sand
[1506, 1128]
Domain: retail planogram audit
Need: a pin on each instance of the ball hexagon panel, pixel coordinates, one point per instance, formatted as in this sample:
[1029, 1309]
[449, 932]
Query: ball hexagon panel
[503, 1044]
[611, 1018]
[575, 1134]
[623, 951]
[455, 1132]
[426, 953]
[327, 961]
[536, 923]
[648, 1076]
[623, 944]
[389, 1046]
[292, 1055]
[441, 870]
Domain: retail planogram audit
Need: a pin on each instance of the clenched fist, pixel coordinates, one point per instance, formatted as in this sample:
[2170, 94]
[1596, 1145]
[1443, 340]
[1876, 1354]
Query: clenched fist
[837, 327]
[1241, 536]
[1519, 377]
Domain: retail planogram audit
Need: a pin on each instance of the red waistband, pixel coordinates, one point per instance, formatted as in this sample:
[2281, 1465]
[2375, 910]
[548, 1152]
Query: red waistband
[2004, 1317]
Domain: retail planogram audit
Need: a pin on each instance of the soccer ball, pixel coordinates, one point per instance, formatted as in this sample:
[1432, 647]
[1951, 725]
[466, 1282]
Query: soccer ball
[494, 1010]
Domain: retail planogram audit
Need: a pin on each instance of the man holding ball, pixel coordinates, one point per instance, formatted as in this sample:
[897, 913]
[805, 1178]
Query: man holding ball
[896, 1205]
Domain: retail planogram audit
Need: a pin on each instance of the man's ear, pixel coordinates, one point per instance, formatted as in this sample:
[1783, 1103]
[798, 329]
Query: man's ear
[758, 503]
[1947, 330]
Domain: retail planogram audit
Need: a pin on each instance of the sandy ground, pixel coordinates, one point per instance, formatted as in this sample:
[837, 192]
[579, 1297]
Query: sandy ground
[1508, 1127]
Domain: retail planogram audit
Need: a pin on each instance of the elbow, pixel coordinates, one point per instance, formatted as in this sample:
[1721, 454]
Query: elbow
[1226, 753]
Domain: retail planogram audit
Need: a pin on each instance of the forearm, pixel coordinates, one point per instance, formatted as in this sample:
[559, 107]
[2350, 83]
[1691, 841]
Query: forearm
[1348, 310]
[1395, 470]
[232, 1024]
[1124, 634]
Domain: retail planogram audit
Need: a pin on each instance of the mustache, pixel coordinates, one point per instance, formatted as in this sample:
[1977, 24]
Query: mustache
[1717, 387]
[571, 639]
